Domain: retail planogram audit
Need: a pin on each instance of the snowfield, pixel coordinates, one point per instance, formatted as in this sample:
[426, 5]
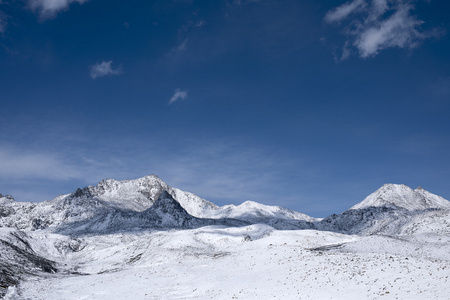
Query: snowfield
[252, 262]
[237, 256]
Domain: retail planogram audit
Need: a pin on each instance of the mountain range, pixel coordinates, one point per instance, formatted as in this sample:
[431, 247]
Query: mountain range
[148, 204]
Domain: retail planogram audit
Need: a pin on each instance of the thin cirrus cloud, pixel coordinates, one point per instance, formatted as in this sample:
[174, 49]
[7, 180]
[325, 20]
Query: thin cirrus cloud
[35, 165]
[45, 164]
[50, 8]
[227, 171]
[103, 69]
[377, 25]
[178, 95]
[3, 22]
[343, 11]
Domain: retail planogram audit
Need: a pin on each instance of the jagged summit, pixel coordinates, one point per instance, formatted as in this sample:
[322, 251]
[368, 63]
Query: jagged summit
[140, 194]
[400, 195]
[136, 194]
[167, 212]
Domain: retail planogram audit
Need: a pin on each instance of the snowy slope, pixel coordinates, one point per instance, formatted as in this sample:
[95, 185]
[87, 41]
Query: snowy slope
[250, 262]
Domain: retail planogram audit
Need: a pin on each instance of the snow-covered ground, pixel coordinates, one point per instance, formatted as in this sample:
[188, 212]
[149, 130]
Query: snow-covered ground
[251, 262]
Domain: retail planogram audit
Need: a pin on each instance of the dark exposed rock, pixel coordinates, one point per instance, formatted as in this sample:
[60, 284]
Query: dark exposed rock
[40, 224]
[79, 193]
[18, 260]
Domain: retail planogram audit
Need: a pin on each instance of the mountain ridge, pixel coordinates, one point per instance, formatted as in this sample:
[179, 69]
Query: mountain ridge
[130, 202]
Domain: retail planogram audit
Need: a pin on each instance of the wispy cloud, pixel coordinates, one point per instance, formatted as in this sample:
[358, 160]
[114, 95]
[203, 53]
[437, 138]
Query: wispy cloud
[377, 25]
[185, 37]
[3, 22]
[179, 95]
[50, 8]
[104, 69]
[40, 174]
[343, 11]
[21, 165]
[229, 172]
[237, 3]
[180, 47]
[200, 23]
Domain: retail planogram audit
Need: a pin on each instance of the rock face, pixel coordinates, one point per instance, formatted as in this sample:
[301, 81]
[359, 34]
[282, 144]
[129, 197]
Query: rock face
[167, 212]
[18, 259]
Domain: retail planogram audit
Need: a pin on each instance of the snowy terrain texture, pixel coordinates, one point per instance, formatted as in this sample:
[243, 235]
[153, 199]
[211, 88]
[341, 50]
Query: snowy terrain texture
[142, 239]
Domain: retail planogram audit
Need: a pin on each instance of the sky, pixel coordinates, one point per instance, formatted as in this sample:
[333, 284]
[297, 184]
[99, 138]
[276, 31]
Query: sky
[311, 105]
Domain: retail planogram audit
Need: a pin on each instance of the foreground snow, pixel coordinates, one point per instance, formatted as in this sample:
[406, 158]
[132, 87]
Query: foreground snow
[252, 262]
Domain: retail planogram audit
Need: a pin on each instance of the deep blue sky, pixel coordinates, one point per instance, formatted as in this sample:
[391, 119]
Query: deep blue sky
[309, 104]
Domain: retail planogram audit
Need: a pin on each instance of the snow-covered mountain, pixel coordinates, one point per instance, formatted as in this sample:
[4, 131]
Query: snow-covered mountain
[393, 209]
[104, 229]
[129, 202]
[140, 194]
[123, 205]
[400, 195]
[254, 211]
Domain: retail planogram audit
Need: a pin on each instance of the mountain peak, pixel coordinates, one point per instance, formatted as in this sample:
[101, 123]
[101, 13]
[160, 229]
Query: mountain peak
[168, 212]
[400, 195]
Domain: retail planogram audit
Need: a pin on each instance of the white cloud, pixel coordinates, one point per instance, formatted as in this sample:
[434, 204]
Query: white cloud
[104, 69]
[179, 94]
[343, 11]
[399, 30]
[376, 25]
[50, 8]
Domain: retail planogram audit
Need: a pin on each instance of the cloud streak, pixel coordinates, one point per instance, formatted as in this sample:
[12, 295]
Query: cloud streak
[179, 95]
[343, 11]
[103, 69]
[228, 172]
[21, 165]
[377, 25]
[3, 22]
[48, 9]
